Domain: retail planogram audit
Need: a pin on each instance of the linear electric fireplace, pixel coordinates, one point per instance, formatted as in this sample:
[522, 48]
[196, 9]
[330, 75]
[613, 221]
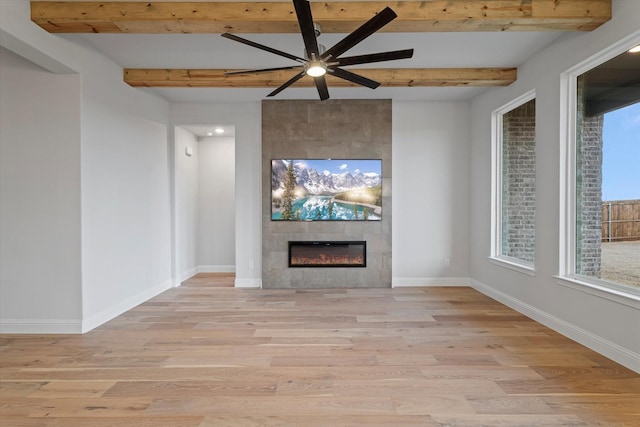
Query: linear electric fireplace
[328, 254]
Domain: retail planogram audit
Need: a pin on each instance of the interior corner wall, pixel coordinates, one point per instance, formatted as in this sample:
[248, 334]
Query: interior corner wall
[590, 317]
[186, 204]
[337, 129]
[126, 192]
[431, 149]
[126, 211]
[40, 264]
[216, 205]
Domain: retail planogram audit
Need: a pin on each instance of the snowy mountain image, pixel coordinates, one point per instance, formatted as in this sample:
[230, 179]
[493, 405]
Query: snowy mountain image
[310, 190]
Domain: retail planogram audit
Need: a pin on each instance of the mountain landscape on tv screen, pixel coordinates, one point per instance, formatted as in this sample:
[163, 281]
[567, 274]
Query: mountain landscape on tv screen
[326, 190]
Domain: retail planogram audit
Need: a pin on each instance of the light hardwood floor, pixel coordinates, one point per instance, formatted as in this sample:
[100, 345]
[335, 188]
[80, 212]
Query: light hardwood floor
[207, 354]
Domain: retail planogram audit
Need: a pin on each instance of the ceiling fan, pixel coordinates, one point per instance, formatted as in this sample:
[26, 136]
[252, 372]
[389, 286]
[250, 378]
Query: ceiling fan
[317, 63]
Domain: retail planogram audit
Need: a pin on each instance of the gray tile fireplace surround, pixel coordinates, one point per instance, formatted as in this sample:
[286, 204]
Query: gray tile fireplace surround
[336, 129]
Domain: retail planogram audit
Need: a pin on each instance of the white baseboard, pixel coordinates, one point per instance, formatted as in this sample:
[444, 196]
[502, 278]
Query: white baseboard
[186, 275]
[399, 282]
[121, 307]
[605, 347]
[248, 283]
[216, 269]
[40, 326]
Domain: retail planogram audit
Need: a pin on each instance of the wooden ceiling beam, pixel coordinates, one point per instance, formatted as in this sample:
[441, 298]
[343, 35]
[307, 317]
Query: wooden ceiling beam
[396, 77]
[153, 17]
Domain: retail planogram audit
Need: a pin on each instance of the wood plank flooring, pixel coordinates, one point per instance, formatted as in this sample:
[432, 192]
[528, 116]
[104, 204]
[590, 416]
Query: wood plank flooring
[207, 354]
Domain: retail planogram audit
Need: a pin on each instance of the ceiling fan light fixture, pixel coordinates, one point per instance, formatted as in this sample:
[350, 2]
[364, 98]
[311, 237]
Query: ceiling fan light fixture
[316, 69]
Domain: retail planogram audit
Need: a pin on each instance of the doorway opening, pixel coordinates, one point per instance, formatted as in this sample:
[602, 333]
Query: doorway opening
[204, 203]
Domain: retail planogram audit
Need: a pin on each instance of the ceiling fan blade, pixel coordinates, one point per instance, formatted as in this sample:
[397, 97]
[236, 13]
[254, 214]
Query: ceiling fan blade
[321, 85]
[262, 47]
[371, 26]
[375, 57]
[352, 77]
[262, 70]
[288, 83]
[305, 20]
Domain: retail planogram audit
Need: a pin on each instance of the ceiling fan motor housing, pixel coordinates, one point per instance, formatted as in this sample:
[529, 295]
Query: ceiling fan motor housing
[321, 49]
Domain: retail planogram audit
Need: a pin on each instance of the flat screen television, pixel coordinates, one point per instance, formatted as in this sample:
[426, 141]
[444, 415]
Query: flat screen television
[326, 190]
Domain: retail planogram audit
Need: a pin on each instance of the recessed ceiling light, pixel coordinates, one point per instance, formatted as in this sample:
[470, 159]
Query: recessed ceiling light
[219, 131]
[635, 49]
[209, 133]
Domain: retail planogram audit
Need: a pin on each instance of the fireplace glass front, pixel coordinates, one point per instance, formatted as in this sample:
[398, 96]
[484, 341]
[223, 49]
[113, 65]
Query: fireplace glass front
[328, 254]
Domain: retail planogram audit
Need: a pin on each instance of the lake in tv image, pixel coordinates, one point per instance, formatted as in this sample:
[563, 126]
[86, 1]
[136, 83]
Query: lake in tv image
[326, 190]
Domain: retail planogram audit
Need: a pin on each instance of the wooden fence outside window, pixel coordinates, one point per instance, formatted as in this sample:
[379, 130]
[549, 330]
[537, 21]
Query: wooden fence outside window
[620, 220]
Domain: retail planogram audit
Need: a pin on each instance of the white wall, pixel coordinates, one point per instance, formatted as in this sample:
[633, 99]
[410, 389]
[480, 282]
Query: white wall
[126, 221]
[216, 204]
[246, 118]
[123, 175]
[430, 193]
[40, 271]
[604, 324]
[126, 192]
[186, 204]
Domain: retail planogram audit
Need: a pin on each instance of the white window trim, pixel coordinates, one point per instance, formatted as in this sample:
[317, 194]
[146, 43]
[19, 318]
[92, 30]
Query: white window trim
[514, 264]
[567, 202]
[496, 256]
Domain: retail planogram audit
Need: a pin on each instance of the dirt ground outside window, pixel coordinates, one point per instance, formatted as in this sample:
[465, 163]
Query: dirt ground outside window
[621, 262]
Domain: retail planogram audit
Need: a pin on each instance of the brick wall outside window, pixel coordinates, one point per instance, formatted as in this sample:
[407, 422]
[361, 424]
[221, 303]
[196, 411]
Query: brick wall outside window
[519, 182]
[588, 189]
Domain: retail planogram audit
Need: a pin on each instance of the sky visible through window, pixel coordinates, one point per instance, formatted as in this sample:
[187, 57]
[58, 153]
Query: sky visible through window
[621, 154]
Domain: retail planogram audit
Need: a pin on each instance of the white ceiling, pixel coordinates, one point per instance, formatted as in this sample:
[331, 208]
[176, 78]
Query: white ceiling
[432, 50]
[208, 131]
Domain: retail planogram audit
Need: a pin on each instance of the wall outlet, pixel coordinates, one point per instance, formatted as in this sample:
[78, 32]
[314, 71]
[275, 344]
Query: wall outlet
[447, 262]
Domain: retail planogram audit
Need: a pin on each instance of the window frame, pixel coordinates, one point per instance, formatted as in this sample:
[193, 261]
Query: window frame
[567, 275]
[497, 142]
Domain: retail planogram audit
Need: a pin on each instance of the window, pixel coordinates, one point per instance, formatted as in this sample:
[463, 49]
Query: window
[620, 217]
[601, 211]
[514, 184]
